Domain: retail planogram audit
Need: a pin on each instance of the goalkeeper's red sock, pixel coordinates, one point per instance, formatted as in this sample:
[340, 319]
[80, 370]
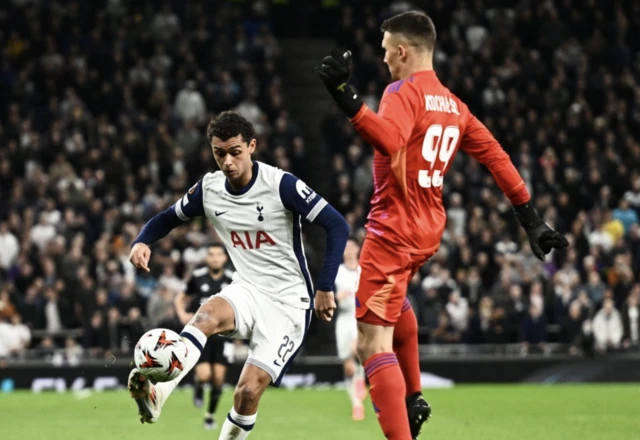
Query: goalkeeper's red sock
[387, 394]
[405, 346]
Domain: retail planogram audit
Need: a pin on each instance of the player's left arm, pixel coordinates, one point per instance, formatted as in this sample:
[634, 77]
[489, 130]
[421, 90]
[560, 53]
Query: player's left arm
[296, 196]
[479, 143]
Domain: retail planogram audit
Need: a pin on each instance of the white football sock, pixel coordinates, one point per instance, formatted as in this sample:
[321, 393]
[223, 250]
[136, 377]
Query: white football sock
[359, 371]
[237, 426]
[351, 389]
[359, 384]
[195, 340]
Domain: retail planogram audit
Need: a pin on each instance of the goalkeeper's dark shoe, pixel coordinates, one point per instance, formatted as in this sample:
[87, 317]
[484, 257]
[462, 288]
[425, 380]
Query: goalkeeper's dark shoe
[419, 412]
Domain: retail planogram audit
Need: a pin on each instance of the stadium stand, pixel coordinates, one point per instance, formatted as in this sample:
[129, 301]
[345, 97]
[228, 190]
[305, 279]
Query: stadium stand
[557, 84]
[102, 125]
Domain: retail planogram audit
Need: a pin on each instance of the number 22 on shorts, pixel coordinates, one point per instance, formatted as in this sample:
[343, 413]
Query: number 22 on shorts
[285, 348]
[437, 149]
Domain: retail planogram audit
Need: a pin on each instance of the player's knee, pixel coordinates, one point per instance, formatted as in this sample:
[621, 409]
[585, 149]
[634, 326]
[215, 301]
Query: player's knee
[206, 321]
[202, 373]
[214, 317]
[247, 395]
[203, 376]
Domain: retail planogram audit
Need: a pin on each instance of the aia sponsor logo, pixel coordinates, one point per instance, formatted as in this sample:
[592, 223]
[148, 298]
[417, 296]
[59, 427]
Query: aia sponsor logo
[251, 240]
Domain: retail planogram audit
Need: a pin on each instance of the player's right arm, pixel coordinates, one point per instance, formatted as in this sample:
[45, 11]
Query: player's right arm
[188, 207]
[389, 130]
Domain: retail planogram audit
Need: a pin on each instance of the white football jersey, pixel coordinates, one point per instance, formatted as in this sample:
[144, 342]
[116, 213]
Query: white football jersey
[346, 280]
[261, 228]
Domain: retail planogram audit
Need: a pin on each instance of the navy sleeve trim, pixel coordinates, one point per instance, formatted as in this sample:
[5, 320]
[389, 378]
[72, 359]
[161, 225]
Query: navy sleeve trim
[313, 214]
[296, 196]
[192, 204]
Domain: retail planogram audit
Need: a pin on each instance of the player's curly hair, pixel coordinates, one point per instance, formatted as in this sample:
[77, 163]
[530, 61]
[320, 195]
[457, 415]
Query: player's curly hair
[416, 26]
[229, 124]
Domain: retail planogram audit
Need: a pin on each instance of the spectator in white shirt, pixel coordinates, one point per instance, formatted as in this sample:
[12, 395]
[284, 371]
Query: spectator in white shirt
[10, 247]
[190, 104]
[14, 336]
[42, 233]
[607, 327]
[458, 309]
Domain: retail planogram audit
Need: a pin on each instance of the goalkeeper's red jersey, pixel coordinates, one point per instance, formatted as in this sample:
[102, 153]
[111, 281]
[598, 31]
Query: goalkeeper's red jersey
[416, 134]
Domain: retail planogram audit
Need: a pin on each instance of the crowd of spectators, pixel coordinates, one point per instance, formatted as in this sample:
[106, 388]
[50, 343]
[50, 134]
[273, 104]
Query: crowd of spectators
[558, 83]
[105, 105]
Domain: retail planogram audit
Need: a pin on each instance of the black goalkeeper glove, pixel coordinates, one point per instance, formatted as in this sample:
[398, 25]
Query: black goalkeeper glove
[541, 237]
[334, 71]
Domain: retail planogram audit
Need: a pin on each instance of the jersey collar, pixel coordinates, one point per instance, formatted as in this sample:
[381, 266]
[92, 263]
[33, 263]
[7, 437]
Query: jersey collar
[426, 73]
[247, 187]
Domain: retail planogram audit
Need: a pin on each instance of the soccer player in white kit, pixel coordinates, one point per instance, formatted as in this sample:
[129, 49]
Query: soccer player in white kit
[347, 328]
[256, 210]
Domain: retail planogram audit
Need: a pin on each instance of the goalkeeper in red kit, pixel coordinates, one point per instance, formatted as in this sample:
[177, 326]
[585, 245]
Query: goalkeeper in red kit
[416, 133]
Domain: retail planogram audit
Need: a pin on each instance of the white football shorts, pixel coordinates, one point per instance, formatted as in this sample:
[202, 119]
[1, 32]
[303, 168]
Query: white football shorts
[275, 330]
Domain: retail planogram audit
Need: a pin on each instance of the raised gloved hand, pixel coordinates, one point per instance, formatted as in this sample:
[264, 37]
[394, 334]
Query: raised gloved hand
[335, 71]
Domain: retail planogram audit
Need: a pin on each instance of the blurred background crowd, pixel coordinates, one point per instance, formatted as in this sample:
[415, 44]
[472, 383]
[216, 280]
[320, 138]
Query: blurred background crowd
[102, 126]
[557, 84]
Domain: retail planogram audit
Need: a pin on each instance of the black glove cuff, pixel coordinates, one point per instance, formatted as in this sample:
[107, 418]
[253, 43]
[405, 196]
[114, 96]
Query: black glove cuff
[527, 215]
[347, 99]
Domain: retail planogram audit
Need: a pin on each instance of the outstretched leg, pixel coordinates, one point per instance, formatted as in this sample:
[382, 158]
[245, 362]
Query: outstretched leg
[213, 317]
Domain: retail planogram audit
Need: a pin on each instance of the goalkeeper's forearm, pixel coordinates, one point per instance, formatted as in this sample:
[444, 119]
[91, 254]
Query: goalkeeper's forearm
[381, 133]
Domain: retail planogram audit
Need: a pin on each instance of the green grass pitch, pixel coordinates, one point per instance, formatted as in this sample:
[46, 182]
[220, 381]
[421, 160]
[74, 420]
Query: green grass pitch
[502, 412]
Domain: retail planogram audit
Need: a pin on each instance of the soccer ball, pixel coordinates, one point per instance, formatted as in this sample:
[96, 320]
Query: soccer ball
[160, 355]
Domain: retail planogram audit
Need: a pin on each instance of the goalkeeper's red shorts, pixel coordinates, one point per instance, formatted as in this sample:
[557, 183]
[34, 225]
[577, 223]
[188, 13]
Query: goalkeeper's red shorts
[385, 273]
